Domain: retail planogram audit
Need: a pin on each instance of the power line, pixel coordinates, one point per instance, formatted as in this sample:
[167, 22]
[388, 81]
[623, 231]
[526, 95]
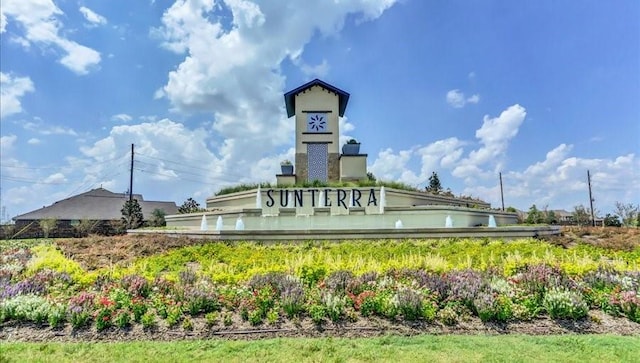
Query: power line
[30, 181]
[58, 167]
[173, 161]
[183, 165]
[174, 176]
[173, 169]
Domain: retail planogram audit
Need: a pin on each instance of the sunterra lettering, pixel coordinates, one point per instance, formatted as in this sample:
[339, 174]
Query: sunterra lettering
[341, 197]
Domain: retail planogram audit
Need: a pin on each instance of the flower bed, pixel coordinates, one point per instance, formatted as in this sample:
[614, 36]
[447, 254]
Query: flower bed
[41, 286]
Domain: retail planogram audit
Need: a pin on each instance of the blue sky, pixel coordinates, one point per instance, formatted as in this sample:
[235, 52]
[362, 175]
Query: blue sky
[541, 91]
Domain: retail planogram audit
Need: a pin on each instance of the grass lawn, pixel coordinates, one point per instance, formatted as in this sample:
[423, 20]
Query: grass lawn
[426, 348]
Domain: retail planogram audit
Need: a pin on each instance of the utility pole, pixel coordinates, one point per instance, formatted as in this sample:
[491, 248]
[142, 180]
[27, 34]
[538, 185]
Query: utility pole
[131, 177]
[593, 219]
[501, 192]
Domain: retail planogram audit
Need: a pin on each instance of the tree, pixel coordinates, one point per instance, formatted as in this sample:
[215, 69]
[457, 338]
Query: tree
[550, 217]
[581, 215]
[157, 219]
[534, 216]
[612, 221]
[434, 184]
[189, 206]
[132, 216]
[48, 225]
[371, 177]
[627, 212]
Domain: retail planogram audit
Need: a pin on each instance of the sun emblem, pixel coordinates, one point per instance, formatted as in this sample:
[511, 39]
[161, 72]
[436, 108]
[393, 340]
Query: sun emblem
[317, 123]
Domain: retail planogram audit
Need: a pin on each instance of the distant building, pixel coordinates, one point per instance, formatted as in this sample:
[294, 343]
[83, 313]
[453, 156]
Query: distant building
[101, 206]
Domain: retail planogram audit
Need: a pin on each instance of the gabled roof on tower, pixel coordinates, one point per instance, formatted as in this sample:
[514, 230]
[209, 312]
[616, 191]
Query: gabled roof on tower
[290, 97]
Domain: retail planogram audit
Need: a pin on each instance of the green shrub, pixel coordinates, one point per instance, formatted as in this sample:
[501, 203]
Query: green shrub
[174, 315]
[627, 303]
[386, 304]
[187, 324]
[104, 319]
[493, 307]
[25, 308]
[138, 308]
[79, 319]
[334, 305]
[448, 315]
[317, 313]
[211, 318]
[57, 315]
[148, 320]
[273, 317]
[409, 304]
[429, 311]
[311, 275]
[562, 304]
[122, 319]
[227, 319]
[255, 317]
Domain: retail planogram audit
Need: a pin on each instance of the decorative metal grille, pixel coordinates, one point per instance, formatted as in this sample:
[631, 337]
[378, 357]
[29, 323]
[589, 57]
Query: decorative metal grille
[318, 156]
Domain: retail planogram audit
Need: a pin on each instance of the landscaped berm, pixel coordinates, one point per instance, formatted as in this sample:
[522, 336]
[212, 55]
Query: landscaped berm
[161, 288]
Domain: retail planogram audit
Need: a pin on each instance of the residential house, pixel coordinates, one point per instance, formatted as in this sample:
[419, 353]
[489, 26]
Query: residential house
[100, 205]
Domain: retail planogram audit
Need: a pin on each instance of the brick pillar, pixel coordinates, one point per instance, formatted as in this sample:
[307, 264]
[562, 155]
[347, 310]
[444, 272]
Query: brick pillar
[334, 167]
[301, 170]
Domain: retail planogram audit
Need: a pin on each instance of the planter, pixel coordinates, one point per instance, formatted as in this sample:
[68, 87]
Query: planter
[287, 169]
[351, 149]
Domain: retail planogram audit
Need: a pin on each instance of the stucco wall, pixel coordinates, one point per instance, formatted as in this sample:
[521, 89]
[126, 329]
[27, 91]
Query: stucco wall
[317, 99]
[353, 167]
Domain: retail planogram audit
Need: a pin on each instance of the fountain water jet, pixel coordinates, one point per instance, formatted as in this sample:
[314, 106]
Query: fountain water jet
[448, 222]
[259, 198]
[383, 199]
[219, 224]
[239, 224]
[492, 221]
[203, 224]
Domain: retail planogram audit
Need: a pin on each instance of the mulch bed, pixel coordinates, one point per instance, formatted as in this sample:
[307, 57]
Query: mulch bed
[596, 323]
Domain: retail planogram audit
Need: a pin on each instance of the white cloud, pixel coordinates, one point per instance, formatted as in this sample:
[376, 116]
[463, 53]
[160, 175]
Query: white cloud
[168, 155]
[55, 178]
[121, 117]
[3, 22]
[40, 20]
[232, 69]
[6, 143]
[92, 17]
[44, 129]
[559, 180]
[494, 135]
[474, 99]
[455, 98]
[33, 141]
[317, 71]
[11, 90]
[393, 166]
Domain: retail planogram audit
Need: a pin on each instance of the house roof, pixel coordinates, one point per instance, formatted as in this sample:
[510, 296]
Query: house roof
[290, 97]
[96, 204]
